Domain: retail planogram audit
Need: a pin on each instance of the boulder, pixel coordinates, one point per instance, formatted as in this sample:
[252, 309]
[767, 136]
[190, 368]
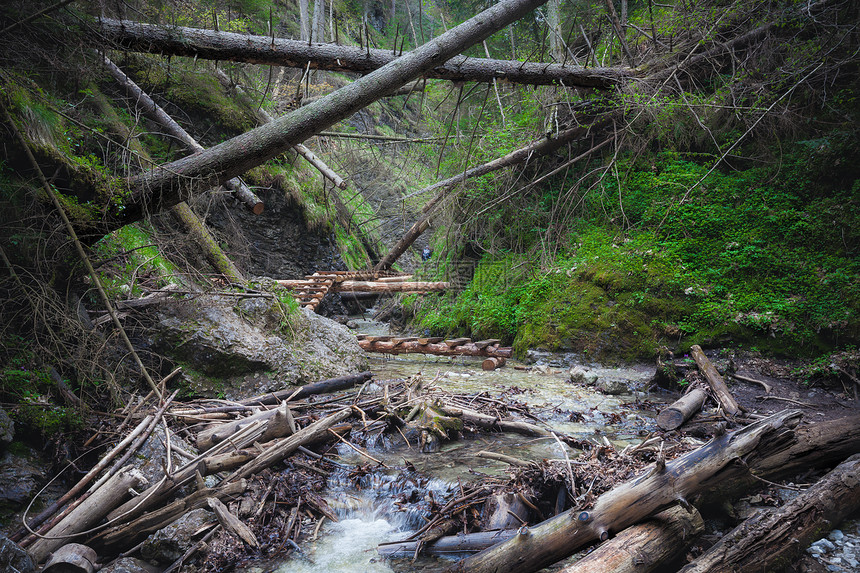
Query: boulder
[13, 558]
[233, 348]
[152, 453]
[582, 375]
[21, 477]
[170, 543]
[129, 565]
[7, 429]
[612, 386]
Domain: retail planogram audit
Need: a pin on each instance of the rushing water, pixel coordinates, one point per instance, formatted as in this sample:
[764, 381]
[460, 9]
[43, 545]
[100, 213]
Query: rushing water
[388, 504]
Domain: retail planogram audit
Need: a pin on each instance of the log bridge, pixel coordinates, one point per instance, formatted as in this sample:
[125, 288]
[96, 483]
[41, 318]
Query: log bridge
[437, 346]
[310, 290]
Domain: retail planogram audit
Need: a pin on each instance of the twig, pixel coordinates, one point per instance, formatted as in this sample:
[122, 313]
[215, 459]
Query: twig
[767, 387]
[790, 400]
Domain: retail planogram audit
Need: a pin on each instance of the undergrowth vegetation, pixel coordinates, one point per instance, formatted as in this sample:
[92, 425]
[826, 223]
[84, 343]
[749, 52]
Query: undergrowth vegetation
[758, 257]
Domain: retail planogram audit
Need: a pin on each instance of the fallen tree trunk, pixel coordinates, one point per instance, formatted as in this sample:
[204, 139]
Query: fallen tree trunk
[635, 500]
[644, 547]
[493, 423]
[127, 535]
[226, 46]
[178, 181]
[772, 539]
[542, 146]
[89, 513]
[673, 416]
[396, 346]
[322, 387]
[715, 381]
[451, 544]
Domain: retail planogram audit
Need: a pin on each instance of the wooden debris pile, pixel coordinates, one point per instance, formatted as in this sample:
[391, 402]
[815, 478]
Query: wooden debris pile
[259, 510]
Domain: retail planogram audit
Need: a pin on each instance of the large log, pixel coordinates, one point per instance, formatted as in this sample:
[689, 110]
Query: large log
[681, 410]
[113, 492]
[633, 501]
[770, 540]
[276, 421]
[715, 381]
[438, 348]
[212, 45]
[644, 547]
[449, 545]
[180, 180]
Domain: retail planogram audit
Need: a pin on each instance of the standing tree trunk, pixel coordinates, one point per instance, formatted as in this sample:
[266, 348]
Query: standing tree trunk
[304, 24]
[169, 184]
[318, 30]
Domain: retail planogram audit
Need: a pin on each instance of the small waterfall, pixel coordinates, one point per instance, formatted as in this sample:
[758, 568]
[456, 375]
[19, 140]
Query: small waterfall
[372, 508]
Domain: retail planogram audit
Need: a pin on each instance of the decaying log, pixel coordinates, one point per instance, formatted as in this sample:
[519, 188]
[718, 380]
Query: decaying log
[438, 348]
[232, 523]
[504, 459]
[450, 545]
[770, 540]
[126, 535]
[635, 500]
[277, 422]
[493, 423]
[112, 493]
[147, 105]
[674, 415]
[644, 547]
[285, 446]
[715, 381]
[225, 46]
[141, 428]
[71, 558]
[505, 511]
[491, 363]
[322, 387]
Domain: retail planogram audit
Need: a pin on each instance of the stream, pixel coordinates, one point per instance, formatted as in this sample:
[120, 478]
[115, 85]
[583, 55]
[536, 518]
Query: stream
[374, 511]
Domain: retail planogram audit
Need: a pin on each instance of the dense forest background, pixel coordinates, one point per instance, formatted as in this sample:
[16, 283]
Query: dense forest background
[709, 197]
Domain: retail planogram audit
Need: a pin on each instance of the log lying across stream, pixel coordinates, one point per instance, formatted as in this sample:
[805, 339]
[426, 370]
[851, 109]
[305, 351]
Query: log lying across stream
[436, 346]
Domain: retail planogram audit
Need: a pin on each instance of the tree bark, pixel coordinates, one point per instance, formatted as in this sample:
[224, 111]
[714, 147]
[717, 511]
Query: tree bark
[644, 547]
[540, 147]
[208, 44]
[204, 239]
[771, 540]
[177, 181]
[715, 381]
[619, 31]
[633, 501]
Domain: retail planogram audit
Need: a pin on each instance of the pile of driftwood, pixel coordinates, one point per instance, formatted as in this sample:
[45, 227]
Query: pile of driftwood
[263, 463]
[261, 510]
